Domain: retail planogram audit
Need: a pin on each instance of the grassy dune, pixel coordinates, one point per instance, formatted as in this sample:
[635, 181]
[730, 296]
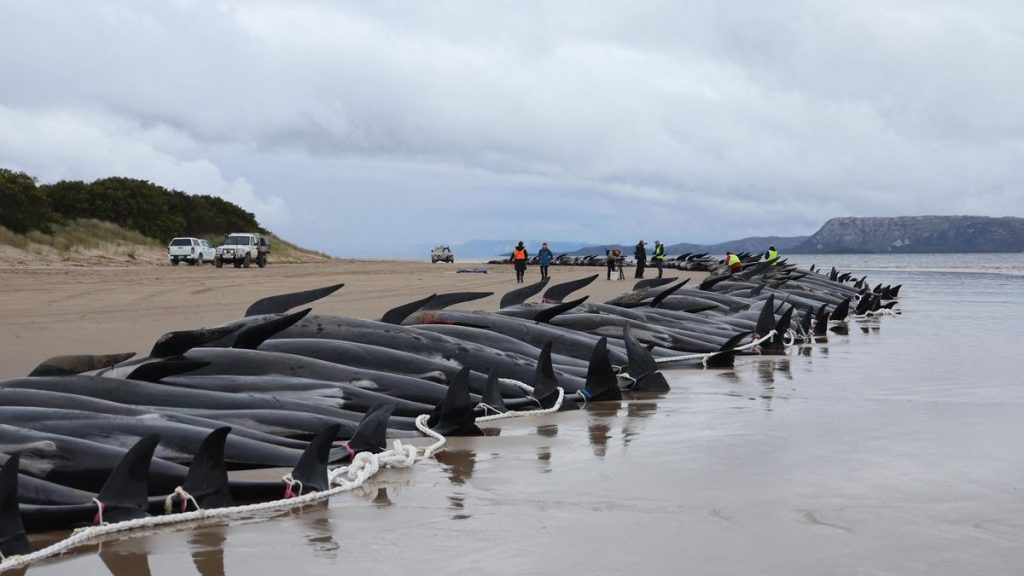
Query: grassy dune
[90, 242]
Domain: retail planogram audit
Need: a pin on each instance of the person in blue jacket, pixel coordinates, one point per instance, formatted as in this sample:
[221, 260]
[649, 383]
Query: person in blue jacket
[544, 257]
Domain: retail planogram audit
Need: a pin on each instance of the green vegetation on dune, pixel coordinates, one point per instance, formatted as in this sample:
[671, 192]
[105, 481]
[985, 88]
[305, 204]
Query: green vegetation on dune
[149, 209]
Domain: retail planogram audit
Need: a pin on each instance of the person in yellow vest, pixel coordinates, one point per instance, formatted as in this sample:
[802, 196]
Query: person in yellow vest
[732, 261]
[659, 256]
[771, 255]
[519, 257]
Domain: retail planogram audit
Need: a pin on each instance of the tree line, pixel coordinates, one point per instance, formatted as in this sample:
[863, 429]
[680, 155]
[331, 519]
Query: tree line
[139, 205]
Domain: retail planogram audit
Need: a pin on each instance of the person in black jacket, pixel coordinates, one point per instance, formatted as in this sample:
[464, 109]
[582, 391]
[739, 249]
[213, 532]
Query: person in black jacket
[640, 253]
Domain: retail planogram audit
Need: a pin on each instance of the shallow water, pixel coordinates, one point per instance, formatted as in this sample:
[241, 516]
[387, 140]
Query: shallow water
[892, 449]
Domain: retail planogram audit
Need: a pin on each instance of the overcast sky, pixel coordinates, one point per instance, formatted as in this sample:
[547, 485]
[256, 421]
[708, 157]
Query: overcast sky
[365, 128]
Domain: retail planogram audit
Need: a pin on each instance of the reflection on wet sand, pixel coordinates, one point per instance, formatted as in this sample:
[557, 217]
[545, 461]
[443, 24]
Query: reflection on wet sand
[459, 465]
[126, 558]
[599, 430]
[382, 499]
[208, 550]
[320, 532]
[841, 329]
[636, 412]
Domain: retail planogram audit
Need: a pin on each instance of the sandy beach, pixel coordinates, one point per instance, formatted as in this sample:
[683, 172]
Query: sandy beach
[70, 309]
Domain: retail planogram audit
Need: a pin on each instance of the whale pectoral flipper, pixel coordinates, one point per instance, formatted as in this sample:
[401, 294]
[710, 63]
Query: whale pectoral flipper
[156, 371]
[284, 302]
[78, 364]
[251, 337]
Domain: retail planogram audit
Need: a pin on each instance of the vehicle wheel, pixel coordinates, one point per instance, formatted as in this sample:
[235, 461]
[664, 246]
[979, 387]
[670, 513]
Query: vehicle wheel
[218, 262]
[238, 263]
[261, 261]
[199, 260]
[247, 261]
[174, 262]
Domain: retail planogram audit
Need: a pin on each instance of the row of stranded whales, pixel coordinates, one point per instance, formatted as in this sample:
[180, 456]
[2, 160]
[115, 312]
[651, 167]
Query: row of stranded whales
[109, 437]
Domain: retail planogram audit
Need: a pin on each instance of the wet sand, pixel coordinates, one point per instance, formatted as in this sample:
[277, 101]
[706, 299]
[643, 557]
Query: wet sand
[882, 451]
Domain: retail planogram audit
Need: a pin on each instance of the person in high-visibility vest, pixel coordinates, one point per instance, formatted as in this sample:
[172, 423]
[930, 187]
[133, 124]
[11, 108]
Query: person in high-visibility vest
[519, 257]
[771, 255]
[659, 256]
[732, 261]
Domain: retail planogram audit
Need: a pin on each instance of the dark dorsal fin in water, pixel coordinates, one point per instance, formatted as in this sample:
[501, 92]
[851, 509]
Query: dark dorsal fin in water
[547, 314]
[642, 366]
[372, 433]
[454, 416]
[725, 357]
[442, 301]
[492, 393]
[545, 384]
[602, 384]
[821, 321]
[756, 290]
[177, 343]
[805, 320]
[160, 369]
[842, 311]
[251, 337]
[560, 292]
[520, 295]
[284, 302]
[399, 313]
[13, 541]
[207, 479]
[766, 320]
[78, 364]
[311, 469]
[895, 291]
[667, 292]
[778, 341]
[124, 495]
[652, 283]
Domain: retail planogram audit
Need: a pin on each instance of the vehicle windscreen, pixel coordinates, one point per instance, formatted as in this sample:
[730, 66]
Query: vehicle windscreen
[181, 242]
[237, 240]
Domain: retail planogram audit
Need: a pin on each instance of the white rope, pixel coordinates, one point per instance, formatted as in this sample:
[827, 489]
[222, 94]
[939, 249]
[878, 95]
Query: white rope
[704, 357]
[520, 413]
[342, 479]
[185, 499]
[521, 385]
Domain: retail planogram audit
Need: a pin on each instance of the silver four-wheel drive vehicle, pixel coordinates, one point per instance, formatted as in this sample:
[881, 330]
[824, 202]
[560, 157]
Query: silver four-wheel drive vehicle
[191, 250]
[243, 249]
[441, 253]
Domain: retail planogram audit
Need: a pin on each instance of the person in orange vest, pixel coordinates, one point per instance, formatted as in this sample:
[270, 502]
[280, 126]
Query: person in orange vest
[519, 257]
[732, 261]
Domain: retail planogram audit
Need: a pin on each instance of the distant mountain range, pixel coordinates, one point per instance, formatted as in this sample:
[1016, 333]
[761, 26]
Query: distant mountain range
[916, 234]
[861, 235]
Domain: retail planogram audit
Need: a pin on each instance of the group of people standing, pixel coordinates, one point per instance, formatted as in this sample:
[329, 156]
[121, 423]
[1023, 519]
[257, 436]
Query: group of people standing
[615, 259]
[520, 257]
[733, 261]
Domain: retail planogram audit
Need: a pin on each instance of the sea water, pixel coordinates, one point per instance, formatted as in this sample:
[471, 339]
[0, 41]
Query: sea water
[896, 447]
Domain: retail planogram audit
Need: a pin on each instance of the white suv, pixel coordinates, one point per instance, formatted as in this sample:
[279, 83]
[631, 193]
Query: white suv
[191, 250]
[243, 249]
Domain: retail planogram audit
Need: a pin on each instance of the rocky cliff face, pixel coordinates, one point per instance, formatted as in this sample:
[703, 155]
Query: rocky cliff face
[906, 234]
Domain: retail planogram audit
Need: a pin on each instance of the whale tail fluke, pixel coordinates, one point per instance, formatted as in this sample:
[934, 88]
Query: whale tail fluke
[520, 295]
[442, 301]
[550, 312]
[454, 416]
[13, 541]
[124, 495]
[157, 371]
[177, 343]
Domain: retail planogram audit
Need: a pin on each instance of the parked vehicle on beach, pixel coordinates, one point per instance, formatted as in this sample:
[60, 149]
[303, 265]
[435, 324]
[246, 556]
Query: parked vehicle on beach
[442, 253]
[242, 249]
[191, 250]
